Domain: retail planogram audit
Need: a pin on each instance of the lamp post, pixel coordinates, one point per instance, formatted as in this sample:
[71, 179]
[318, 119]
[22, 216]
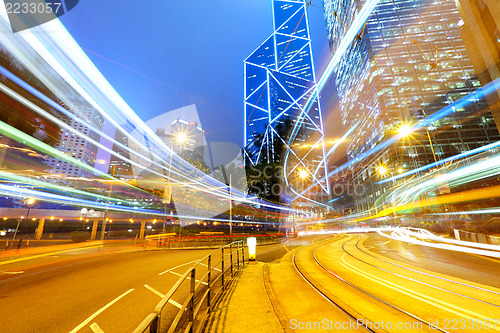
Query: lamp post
[382, 170]
[180, 138]
[106, 212]
[29, 202]
[303, 175]
[85, 212]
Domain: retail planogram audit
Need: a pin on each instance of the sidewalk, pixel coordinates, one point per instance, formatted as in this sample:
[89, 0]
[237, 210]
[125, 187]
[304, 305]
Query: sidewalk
[271, 298]
[247, 306]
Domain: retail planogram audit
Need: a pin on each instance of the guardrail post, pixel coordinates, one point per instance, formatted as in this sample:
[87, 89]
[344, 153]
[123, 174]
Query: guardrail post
[209, 282]
[238, 254]
[231, 257]
[223, 268]
[243, 251]
[191, 304]
[154, 326]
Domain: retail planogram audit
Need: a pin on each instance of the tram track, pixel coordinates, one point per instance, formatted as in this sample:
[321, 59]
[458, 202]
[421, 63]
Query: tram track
[351, 314]
[324, 295]
[421, 282]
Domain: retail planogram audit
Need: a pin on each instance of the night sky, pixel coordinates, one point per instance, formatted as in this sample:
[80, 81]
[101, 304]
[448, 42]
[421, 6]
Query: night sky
[162, 55]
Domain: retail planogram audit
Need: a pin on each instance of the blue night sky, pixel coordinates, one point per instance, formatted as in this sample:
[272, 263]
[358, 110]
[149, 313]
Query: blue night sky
[178, 53]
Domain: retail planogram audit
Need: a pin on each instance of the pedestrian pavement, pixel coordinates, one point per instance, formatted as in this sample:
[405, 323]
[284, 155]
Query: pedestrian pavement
[246, 307]
[268, 298]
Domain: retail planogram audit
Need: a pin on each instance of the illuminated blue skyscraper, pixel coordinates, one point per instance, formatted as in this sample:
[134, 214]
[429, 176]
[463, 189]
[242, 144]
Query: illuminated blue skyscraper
[279, 83]
[407, 62]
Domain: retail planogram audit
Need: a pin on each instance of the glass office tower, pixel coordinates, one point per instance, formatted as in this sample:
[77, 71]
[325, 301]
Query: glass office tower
[282, 111]
[408, 62]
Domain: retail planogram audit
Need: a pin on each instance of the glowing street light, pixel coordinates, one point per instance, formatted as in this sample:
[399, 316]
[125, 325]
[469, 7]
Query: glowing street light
[405, 130]
[382, 170]
[303, 174]
[181, 137]
[29, 202]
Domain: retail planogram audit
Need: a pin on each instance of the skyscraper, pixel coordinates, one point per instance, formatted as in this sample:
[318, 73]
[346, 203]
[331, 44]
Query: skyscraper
[74, 144]
[408, 62]
[481, 34]
[282, 109]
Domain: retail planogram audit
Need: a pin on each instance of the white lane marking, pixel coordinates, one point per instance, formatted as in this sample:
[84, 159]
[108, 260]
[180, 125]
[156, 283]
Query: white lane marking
[89, 319]
[13, 273]
[217, 269]
[171, 301]
[154, 290]
[170, 269]
[189, 278]
[96, 328]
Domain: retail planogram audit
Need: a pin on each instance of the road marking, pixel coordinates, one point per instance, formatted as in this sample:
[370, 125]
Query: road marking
[170, 269]
[94, 327]
[189, 278]
[385, 243]
[98, 312]
[171, 301]
[13, 273]
[154, 290]
[45, 255]
[217, 269]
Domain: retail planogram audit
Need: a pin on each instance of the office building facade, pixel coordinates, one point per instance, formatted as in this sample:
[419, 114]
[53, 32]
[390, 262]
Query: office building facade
[282, 109]
[480, 30]
[408, 62]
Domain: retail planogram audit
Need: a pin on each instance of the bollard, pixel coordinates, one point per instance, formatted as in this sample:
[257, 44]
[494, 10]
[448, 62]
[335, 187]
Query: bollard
[27, 243]
[6, 245]
[252, 243]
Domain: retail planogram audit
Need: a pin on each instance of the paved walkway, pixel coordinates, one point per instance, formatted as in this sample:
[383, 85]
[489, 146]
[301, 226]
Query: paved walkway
[271, 298]
[247, 306]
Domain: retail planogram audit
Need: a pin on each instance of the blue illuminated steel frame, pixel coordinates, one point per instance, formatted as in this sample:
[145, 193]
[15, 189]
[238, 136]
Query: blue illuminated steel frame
[280, 84]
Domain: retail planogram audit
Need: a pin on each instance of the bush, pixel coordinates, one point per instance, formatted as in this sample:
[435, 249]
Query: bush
[80, 236]
[492, 226]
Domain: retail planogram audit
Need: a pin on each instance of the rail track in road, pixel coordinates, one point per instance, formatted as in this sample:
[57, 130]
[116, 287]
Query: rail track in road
[420, 272]
[347, 310]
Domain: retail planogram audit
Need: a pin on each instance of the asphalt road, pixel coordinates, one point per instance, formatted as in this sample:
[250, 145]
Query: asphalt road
[61, 293]
[91, 290]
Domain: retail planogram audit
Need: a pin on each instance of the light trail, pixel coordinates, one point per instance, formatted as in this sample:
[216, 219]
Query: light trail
[461, 103]
[58, 49]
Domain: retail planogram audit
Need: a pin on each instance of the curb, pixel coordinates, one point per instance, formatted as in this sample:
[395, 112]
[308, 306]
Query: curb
[274, 300]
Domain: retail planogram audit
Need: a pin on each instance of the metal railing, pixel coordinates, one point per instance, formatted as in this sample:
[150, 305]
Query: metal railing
[197, 293]
[172, 241]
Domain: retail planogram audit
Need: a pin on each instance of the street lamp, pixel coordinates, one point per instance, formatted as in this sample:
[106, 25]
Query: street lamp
[85, 212]
[180, 138]
[303, 174]
[29, 202]
[382, 170]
